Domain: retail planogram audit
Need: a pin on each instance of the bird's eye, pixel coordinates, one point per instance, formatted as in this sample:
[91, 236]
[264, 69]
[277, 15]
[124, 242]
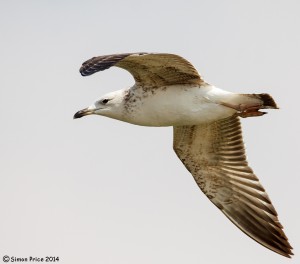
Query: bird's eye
[104, 101]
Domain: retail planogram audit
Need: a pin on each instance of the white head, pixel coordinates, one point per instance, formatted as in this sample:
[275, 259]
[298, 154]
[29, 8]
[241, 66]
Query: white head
[110, 105]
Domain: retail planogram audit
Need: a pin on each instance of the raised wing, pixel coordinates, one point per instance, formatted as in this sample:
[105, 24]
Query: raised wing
[148, 69]
[215, 155]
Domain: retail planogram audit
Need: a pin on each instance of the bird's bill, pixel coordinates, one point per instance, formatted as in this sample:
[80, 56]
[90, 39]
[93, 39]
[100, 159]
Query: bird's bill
[84, 112]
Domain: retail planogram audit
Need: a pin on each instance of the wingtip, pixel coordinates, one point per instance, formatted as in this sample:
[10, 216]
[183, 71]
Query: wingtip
[286, 254]
[82, 72]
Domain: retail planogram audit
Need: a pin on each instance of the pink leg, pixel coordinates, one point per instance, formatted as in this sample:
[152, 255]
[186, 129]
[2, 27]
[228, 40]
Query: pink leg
[246, 110]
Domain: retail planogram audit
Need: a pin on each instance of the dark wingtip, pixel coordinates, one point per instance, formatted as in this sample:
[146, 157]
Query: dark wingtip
[102, 63]
[82, 72]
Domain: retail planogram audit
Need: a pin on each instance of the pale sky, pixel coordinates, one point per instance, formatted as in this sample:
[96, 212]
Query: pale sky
[96, 190]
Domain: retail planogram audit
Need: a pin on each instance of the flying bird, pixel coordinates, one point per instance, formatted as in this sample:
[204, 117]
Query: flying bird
[168, 91]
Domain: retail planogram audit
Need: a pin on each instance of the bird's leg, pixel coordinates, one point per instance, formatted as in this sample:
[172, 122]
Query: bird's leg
[244, 110]
[251, 112]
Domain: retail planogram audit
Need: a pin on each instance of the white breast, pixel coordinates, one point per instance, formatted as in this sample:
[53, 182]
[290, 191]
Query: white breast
[178, 105]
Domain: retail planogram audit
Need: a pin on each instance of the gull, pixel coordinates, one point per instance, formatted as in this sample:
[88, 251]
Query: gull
[168, 91]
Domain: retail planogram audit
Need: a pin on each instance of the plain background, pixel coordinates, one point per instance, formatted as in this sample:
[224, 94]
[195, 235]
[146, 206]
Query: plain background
[96, 190]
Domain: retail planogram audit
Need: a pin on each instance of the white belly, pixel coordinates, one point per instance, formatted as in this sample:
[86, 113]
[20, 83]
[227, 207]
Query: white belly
[178, 106]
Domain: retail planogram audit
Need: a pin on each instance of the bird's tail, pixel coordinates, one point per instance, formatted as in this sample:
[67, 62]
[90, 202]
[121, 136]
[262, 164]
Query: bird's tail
[266, 99]
[248, 105]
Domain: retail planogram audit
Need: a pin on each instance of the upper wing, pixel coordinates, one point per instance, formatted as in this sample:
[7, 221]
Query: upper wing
[148, 69]
[215, 155]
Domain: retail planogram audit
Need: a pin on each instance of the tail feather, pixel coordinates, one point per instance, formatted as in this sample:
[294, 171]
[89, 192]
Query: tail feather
[249, 105]
[268, 101]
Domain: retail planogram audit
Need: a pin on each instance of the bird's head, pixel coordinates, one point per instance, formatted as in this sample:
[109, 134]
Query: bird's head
[109, 105]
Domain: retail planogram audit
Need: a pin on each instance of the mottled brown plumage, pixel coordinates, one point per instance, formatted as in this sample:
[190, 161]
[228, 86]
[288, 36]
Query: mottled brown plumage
[148, 69]
[215, 155]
